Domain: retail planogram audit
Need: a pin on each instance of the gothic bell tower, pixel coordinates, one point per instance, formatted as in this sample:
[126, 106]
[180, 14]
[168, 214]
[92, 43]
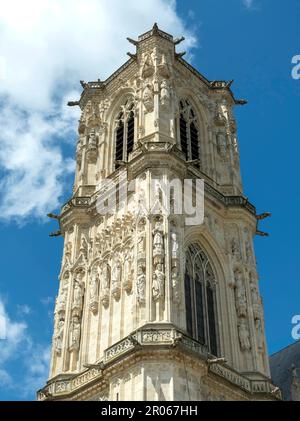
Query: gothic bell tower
[150, 306]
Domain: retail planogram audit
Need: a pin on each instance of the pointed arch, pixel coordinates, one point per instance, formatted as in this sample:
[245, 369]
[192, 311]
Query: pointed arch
[200, 298]
[124, 131]
[189, 130]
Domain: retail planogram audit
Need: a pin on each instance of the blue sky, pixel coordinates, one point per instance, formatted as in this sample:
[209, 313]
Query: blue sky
[250, 42]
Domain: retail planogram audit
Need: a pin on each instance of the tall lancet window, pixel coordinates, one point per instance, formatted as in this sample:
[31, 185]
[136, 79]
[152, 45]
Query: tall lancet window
[124, 133]
[200, 301]
[189, 131]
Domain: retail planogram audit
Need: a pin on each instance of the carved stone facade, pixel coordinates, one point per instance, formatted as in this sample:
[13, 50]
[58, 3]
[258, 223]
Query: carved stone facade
[121, 327]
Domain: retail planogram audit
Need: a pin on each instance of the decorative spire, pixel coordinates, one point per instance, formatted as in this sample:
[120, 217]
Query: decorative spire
[155, 29]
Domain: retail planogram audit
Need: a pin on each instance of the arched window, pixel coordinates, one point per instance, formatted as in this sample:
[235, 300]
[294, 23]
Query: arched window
[200, 299]
[189, 132]
[125, 129]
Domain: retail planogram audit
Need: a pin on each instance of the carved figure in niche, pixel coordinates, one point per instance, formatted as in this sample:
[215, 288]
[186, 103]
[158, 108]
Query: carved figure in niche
[105, 283]
[244, 335]
[158, 241]
[127, 277]
[164, 92]
[148, 100]
[259, 334]
[248, 252]
[175, 284]
[220, 118]
[59, 336]
[141, 244]
[174, 245]
[105, 277]
[116, 278]
[75, 333]
[103, 106]
[235, 249]
[240, 295]
[158, 282]
[222, 144]
[92, 145]
[83, 246]
[254, 291]
[77, 295]
[88, 111]
[62, 300]
[141, 283]
[94, 287]
[68, 250]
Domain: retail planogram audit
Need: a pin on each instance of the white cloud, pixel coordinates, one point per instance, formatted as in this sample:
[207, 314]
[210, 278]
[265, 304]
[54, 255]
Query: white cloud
[249, 4]
[30, 360]
[47, 46]
[23, 309]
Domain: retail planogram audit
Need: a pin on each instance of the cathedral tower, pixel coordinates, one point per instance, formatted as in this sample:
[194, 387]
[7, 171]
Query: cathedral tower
[151, 305]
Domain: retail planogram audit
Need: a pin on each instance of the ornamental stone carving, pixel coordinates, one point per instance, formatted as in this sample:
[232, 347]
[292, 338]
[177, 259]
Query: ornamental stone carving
[61, 302]
[75, 332]
[141, 283]
[77, 295]
[128, 270]
[105, 284]
[94, 291]
[240, 295]
[158, 282]
[244, 335]
[175, 284]
[58, 337]
[116, 278]
[148, 98]
[164, 93]
[174, 245]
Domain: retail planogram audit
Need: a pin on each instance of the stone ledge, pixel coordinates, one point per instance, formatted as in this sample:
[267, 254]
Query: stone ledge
[143, 340]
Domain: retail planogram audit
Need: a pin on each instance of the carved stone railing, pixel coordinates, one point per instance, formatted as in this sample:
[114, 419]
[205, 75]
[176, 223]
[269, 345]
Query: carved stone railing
[151, 337]
[118, 349]
[232, 376]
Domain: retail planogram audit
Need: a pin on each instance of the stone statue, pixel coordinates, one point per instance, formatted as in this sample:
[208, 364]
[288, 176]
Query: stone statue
[94, 287]
[75, 333]
[141, 284]
[164, 92]
[254, 291]
[259, 334]
[235, 249]
[105, 277]
[141, 244]
[59, 336]
[77, 295]
[127, 275]
[68, 250]
[83, 246]
[244, 335]
[240, 295]
[148, 98]
[174, 245]
[92, 141]
[248, 252]
[158, 283]
[116, 278]
[61, 300]
[158, 241]
[105, 283]
[175, 284]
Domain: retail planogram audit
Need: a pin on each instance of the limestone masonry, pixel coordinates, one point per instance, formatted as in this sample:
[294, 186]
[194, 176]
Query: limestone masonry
[148, 307]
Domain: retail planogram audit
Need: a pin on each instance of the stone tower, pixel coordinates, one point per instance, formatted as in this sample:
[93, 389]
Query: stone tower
[151, 307]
